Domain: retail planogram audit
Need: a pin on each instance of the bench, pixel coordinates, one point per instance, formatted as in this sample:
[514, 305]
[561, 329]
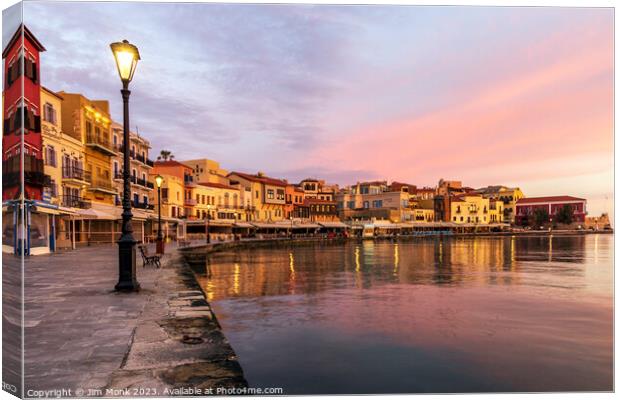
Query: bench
[147, 259]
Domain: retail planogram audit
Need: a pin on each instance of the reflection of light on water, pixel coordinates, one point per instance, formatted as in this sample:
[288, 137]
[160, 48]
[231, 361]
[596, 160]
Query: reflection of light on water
[292, 265]
[396, 259]
[236, 279]
[550, 246]
[512, 250]
[440, 252]
[210, 289]
[357, 258]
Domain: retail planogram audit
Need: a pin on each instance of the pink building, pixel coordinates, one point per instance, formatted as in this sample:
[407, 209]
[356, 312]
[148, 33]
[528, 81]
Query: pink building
[552, 204]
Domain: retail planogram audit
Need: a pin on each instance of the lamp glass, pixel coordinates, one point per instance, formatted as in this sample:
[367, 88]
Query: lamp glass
[126, 56]
[159, 180]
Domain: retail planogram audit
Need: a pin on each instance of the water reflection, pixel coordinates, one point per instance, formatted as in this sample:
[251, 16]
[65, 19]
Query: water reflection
[427, 315]
[319, 267]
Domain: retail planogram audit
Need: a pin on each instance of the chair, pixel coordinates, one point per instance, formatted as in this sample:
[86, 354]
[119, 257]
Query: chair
[147, 259]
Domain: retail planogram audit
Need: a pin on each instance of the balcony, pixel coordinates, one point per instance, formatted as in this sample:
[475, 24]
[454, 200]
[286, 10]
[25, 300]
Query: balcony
[149, 162]
[33, 172]
[118, 175]
[76, 175]
[102, 185]
[142, 206]
[75, 202]
[189, 181]
[190, 202]
[150, 185]
[101, 144]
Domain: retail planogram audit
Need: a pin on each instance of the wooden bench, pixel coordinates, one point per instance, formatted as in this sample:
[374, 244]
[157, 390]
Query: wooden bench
[147, 259]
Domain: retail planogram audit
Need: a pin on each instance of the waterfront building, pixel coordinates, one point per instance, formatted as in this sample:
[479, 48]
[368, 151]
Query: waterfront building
[89, 121]
[422, 210]
[424, 193]
[222, 202]
[318, 210]
[22, 97]
[373, 200]
[295, 196]
[317, 189]
[141, 186]
[598, 223]
[205, 170]
[509, 196]
[475, 209]
[527, 206]
[64, 157]
[268, 194]
[445, 188]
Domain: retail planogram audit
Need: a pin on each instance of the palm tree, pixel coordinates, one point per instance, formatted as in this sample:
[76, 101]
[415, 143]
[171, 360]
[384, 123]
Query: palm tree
[165, 155]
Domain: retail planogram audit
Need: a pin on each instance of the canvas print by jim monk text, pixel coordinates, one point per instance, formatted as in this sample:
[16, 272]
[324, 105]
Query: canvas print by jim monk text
[296, 199]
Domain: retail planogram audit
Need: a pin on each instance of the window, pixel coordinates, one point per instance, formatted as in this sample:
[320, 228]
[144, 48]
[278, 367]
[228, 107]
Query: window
[50, 156]
[89, 127]
[270, 193]
[366, 204]
[145, 200]
[351, 204]
[280, 194]
[49, 113]
[377, 203]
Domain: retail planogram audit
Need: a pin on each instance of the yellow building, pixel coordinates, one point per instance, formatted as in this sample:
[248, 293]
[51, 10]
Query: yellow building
[475, 209]
[222, 202]
[508, 196]
[205, 170]
[141, 186]
[268, 196]
[63, 155]
[89, 121]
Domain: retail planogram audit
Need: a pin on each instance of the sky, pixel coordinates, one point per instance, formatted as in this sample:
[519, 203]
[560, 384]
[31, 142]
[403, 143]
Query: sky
[486, 95]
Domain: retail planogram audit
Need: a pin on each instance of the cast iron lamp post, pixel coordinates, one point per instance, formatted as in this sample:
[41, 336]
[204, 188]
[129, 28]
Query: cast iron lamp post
[126, 56]
[160, 237]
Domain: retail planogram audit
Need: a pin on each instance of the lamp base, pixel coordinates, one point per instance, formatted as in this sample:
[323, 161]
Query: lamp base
[127, 281]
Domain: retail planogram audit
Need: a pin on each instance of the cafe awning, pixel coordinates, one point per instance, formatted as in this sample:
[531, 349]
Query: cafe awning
[333, 224]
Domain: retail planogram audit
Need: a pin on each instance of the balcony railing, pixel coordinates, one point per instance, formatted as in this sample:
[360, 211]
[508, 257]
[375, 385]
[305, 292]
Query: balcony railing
[75, 173]
[99, 142]
[143, 206]
[190, 202]
[75, 202]
[149, 162]
[102, 184]
[150, 185]
[33, 171]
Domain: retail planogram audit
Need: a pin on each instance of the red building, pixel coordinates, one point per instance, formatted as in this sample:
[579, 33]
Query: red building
[552, 204]
[22, 117]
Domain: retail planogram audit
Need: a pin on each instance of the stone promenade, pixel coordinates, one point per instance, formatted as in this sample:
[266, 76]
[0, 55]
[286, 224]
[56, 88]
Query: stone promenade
[82, 336]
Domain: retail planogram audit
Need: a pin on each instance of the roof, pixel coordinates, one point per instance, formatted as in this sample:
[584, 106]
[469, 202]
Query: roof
[27, 34]
[217, 185]
[548, 199]
[262, 179]
[170, 163]
[52, 92]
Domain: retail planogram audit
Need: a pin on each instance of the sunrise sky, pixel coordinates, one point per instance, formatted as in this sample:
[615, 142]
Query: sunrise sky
[487, 95]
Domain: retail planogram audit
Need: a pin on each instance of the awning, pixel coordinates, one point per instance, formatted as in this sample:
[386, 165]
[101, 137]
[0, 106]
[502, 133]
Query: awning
[243, 225]
[272, 225]
[93, 213]
[306, 226]
[333, 224]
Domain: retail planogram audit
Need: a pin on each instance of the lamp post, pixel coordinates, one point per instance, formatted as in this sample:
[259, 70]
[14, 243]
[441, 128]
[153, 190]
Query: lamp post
[160, 237]
[126, 56]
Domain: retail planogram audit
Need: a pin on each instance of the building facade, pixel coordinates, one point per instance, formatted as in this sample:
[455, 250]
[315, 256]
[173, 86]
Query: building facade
[141, 186]
[526, 208]
[268, 195]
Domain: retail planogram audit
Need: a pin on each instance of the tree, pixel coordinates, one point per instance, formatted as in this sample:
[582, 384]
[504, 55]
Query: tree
[165, 155]
[564, 215]
[539, 217]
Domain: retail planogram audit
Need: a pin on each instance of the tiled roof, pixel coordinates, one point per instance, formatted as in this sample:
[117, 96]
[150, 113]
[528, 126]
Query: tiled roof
[170, 163]
[548, 199]
[262, 179]
[217, 185]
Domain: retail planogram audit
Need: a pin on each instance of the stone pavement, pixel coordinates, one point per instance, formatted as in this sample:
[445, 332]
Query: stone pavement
[81, 335]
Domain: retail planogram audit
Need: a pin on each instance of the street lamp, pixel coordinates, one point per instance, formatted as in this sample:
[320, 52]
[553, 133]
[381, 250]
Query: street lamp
[126, 56]
[160, 237]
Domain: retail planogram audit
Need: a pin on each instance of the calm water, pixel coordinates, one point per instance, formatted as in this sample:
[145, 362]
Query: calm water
[430, 315]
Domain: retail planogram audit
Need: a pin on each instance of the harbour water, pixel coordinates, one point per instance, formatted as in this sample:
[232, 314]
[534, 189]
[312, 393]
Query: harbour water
[426, 315]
